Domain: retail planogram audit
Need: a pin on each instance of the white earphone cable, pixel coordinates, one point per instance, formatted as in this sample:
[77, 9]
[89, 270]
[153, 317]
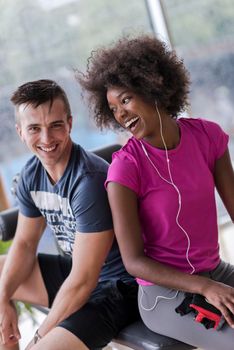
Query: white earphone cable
[170, 182]
[156, 299]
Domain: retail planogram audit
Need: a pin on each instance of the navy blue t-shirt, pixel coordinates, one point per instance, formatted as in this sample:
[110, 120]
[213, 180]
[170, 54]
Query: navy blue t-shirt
[76, 203]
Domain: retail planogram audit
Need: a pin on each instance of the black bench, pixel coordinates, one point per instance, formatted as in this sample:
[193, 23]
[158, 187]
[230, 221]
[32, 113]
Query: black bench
[137, 335]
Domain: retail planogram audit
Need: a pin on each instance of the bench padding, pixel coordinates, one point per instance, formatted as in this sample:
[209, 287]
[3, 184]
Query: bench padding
[8, 222]
[138, 336]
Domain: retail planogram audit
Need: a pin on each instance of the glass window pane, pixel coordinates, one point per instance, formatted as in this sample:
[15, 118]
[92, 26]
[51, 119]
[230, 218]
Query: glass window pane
[202, 33]
[49, 39]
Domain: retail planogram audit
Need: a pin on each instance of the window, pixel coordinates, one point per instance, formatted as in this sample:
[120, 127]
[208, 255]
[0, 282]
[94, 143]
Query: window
[202, 33]
[49, 39]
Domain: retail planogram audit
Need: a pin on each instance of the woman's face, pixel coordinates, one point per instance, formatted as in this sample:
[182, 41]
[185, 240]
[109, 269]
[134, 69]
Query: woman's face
[133, 112]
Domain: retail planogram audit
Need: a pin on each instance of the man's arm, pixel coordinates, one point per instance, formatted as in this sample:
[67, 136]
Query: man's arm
[17, 267]
[90, 251]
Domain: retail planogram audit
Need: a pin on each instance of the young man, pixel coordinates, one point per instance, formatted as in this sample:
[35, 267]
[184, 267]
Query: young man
[89, 293]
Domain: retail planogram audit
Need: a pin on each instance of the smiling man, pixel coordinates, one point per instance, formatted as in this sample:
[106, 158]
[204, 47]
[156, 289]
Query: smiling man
[90, 295]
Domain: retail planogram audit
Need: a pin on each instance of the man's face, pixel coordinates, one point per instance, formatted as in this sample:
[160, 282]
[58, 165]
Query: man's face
[46, 132]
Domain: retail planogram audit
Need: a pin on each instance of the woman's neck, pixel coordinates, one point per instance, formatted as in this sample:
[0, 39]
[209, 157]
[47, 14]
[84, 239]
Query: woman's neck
[170, 133]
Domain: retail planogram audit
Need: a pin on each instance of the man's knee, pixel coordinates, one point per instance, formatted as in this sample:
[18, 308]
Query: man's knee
[32, 289]
[2, 262]
[63, 339]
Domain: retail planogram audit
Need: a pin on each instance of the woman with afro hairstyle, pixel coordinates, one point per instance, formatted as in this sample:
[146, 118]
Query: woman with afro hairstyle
[161, 188]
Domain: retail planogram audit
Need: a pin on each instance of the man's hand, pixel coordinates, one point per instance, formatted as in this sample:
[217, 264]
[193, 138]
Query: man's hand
[9, 332]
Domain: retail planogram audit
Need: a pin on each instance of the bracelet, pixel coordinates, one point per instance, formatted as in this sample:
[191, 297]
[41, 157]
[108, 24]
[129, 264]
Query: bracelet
[36, 337]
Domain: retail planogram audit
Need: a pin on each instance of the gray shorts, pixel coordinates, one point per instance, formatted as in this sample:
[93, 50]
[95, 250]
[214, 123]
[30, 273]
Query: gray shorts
[164, 320]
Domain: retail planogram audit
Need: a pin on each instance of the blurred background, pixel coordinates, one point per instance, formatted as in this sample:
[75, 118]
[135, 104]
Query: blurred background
[52, 38]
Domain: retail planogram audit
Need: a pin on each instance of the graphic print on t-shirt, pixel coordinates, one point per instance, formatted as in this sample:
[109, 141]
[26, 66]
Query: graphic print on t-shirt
[58, 214]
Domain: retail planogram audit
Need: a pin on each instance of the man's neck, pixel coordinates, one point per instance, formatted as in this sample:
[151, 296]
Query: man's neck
[56, 171]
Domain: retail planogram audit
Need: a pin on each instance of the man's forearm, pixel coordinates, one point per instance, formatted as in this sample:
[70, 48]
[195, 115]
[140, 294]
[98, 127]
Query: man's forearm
[69, 299]
[89, 253]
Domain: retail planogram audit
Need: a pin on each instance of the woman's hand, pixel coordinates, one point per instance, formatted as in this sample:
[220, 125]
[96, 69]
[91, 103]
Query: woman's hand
[222, 297]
